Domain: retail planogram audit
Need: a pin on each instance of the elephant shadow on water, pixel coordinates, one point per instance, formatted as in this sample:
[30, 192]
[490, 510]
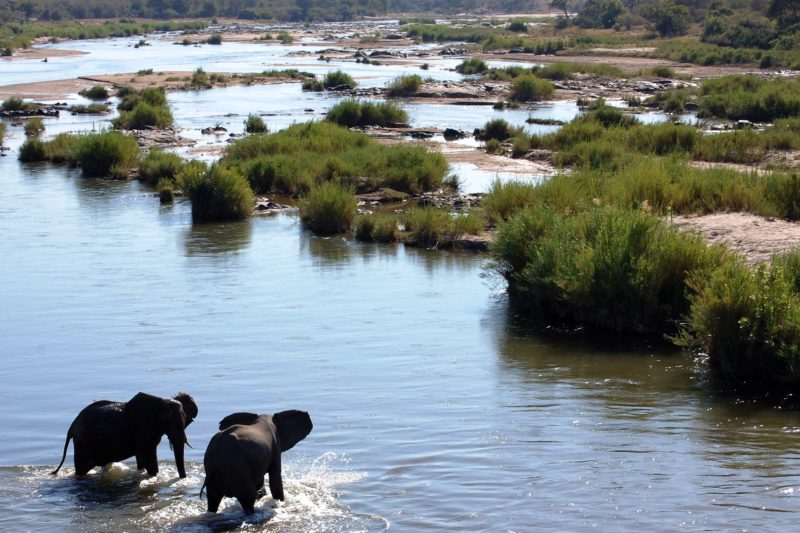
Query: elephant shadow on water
[113, 487]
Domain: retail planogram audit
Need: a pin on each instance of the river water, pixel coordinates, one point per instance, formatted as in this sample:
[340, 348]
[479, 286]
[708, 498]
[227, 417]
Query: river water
[434, 408]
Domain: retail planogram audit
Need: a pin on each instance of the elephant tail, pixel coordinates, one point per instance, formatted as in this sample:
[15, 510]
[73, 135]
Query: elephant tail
[64, 455]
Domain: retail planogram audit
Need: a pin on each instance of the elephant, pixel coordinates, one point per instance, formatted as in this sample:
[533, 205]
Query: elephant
[247, 447]
[107, 431]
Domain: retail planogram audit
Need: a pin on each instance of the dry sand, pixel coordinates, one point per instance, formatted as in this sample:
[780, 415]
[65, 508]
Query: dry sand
[756, 238]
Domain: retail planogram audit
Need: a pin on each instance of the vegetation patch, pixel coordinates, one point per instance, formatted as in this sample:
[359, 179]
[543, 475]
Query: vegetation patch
[217, 193]
[360, 113]
[96, 92]
[528, 88]
[432, 227]
[142, 109]
[404, 85]
[106, 154]
[295, 160]
[329, 208]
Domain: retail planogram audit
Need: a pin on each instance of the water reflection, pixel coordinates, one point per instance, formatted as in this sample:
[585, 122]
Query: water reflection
[335, 253]
[217, 238]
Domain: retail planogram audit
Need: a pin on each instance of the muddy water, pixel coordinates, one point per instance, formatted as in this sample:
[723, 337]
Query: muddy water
[434, 409]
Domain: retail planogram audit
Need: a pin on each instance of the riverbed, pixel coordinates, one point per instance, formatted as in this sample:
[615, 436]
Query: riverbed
[434, 408]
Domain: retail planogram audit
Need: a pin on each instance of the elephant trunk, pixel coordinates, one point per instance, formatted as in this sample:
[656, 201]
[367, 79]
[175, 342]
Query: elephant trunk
[177, 439]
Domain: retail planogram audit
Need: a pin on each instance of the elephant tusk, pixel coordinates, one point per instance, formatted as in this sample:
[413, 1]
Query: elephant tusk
[186, 441]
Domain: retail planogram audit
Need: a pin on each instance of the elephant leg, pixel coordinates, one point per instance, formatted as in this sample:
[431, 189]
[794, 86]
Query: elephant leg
[275, 480]
[214, 496]
[260, 491]
[148, 460]
[248, 502]
[83, 463]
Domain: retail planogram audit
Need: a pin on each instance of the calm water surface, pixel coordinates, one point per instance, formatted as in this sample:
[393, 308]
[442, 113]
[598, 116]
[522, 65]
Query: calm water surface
[434, 409]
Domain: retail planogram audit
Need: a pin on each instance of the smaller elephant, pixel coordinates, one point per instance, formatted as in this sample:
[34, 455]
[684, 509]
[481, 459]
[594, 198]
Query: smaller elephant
[247, 447]
[105, 432]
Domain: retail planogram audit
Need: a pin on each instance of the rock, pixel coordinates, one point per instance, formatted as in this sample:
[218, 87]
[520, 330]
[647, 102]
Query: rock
[421, 135]
[453, 51]
[451, 134]
[216, 130]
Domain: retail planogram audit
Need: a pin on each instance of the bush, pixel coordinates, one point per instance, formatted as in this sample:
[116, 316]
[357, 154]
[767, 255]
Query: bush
[34, 126]
[166, 191]
[13, 103]
[498, 129]
[254, 124]
[215, 38]
[517, 26]
[357, 113]
[472, 65]
[199, 79]
[296, 159]
[106, 154]
[404, 85]
[338, 80]
[432, 227]
[32, 150]
[748, 321]
[528, 88]
[619, 270]
[285, 37]
[96, 92]
[158, 165]
[376, 228]
[312, 84]
[217, 193]
[329, 209]
[142, 116]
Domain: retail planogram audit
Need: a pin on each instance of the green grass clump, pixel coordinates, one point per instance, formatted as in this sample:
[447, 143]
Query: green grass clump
[376, 228]
[200, 79]
[472, 65]
[285, 37]
[215, 38]
[565, 70]
[507, 198]
[295, 160]
[618, 270]
[96, 92]
[750, 98]
[91, 109]
[329, 208]
[216, 193]
[106, 154]
[433, 227]
[141, 109]
[2, 132]
[498, 129]
[158, 165]
[527, 88]
[360, 113]
[60, 149]
[34, 126]
[404, 85]
[748, 321]
[338, 79]
[254, 124]
[166, 191]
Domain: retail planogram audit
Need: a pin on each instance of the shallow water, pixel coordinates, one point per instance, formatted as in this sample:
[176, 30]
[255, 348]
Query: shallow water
[434, 408]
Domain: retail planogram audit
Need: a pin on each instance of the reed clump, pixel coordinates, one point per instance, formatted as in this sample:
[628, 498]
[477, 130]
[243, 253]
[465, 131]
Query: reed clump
[95, 92]
[374, 227]
[141, 109]
[217, 193]
[432, 227]
[158, 165]
[329, 208]
[472, 65]
[255, 124]
[353, 113]
[404, 85]
[106, 154]
[528, 88]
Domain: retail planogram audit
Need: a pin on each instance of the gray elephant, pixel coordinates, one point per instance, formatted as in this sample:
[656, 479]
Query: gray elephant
[105, 431]
[247, 447]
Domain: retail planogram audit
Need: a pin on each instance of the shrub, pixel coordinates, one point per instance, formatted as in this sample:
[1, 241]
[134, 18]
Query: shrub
[254, 124]
[96, 92]
[505, 199]
[748, 321]
[215, 38]
[34, 126]
[356, 113]
[528, 88]
[217, 193]
[517, 26]
[166, 191]
[376, 228]
[32, 150]
[91, 109]
[611, 269]
[13, 103]
[106, 153]
[312, 84]
[472, 65]
[431, 227]
[199, 79]
[404, 85]
[499, 129]
[285, 37]
[329, 209]
[142, 116]
[338, 80]
[158, 165]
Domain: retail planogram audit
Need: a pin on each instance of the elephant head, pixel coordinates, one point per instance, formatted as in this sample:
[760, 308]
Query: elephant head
[292, 426]
[164, 416]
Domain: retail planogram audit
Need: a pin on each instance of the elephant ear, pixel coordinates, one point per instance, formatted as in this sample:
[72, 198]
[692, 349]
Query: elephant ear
[245, 419]
[144, 409]
[293, 426]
